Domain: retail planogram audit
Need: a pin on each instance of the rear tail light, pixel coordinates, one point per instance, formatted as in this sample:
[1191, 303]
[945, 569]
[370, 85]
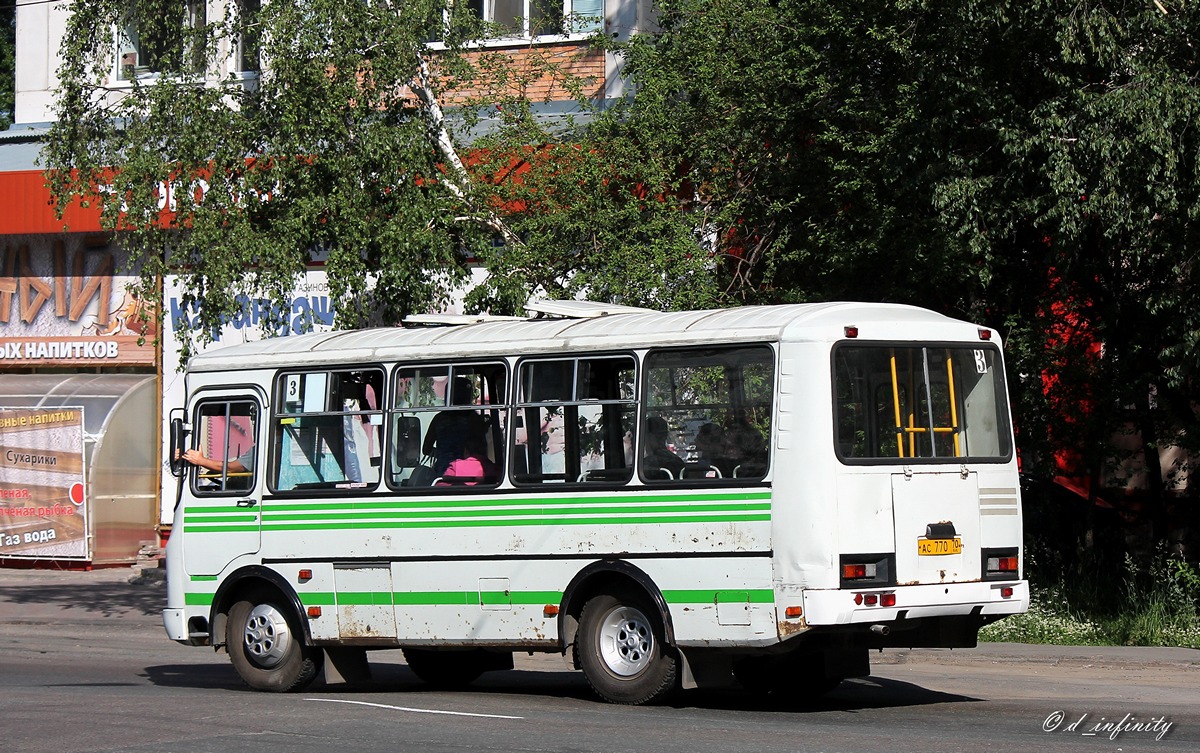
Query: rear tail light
[875, 599]
[867, 570]
[859, 572]
[1001, 563]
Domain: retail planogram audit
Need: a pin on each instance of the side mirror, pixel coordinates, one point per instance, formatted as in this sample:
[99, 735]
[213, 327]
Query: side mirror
[179, 434]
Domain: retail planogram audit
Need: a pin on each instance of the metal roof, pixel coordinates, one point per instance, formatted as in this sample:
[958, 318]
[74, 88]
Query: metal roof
[812, 321]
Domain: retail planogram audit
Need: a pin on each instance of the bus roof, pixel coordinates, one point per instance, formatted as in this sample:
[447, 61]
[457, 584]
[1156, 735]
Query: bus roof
[622, 329]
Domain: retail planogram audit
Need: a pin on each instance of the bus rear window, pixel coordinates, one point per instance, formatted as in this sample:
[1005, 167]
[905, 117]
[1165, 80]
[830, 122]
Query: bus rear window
[920, 402]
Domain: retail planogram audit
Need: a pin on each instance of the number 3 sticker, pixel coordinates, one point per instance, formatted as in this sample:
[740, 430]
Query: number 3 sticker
[981, 362]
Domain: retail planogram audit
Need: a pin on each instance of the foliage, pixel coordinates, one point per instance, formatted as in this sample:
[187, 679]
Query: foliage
[1155, 607]
[362, 145]
[8, 61]
[1031, 165]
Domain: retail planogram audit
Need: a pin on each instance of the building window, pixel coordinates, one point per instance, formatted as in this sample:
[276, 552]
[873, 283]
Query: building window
[528, 19]
[249, 40]
[150, 42]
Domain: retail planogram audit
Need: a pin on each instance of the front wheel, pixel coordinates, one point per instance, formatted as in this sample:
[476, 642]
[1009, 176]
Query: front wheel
[622, 651]
[267, 649]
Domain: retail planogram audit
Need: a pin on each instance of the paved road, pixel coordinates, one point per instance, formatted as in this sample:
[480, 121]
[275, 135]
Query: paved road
[84, 666]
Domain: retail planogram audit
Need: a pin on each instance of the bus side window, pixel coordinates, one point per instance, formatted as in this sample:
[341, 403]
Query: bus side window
[446, 426]
[224, 453]
[708, 414]
[575, 421]
[328, 430]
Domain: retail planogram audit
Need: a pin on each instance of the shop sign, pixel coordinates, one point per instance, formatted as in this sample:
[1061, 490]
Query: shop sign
[43, 507]
[64, 303]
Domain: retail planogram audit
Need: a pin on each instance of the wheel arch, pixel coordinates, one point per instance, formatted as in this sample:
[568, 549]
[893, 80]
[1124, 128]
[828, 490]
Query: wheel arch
[243, 581]
[607, 576]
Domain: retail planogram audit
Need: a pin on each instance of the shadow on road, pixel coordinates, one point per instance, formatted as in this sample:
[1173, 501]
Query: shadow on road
[851, 696]
[103, 599]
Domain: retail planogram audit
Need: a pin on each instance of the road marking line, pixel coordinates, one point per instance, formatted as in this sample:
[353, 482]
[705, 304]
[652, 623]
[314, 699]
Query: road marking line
[415, 711]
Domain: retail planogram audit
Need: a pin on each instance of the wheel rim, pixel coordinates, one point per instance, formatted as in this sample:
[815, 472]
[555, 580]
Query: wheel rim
[267, 636]
[626, 641]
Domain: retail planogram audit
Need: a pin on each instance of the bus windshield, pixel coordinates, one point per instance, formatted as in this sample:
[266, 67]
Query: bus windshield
[920, 402]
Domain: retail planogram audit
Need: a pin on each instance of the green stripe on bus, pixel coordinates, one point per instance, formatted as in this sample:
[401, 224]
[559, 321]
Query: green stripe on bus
[731, 595]
[317, 598]
[200, 578]
[364, 598]
[491, 598]
[492, 522]
[512, 512]
[493, 501]
[483, 523]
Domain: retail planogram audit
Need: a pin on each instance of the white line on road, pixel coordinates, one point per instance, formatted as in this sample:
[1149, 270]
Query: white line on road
[415, 711]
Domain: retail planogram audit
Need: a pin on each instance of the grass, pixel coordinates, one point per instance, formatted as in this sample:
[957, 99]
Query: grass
[1153, 604]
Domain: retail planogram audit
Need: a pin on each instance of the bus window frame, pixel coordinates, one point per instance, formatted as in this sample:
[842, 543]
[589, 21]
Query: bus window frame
[226, 394]
[692, 481]
[519, 406]
[501, 409]
[1003, 407]
[275, 412]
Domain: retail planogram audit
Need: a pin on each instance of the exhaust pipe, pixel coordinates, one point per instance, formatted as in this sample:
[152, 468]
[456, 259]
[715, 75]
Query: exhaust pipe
[881, 629]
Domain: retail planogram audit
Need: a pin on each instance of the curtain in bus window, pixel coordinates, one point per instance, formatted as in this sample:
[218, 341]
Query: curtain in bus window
[708, 414]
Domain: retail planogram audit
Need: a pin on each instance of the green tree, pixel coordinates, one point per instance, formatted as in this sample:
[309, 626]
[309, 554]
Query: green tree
[397, 162]
[1031, 165]
[8, 61]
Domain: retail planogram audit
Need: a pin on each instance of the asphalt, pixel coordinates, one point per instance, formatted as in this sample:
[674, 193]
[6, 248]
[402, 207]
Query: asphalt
[120, 595]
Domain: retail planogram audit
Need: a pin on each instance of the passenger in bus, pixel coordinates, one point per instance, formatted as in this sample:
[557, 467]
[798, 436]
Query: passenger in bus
[658, 458]
[474, 466]
[243, 463]
[744, 448]
[449, 429]
[710, 451]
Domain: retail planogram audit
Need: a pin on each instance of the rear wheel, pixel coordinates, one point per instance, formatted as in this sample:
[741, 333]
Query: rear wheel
[622, 652]
[267, 648]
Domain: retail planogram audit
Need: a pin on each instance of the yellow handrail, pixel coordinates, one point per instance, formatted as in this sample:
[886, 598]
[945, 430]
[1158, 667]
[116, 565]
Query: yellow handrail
[896, 402]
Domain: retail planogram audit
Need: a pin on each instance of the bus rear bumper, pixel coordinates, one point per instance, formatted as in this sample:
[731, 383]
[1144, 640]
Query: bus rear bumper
[849, 606]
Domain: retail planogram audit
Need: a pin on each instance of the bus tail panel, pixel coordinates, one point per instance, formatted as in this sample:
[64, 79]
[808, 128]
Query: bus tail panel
[937, 527]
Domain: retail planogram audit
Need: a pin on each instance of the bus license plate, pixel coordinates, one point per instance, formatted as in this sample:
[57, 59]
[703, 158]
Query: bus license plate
[933, 547]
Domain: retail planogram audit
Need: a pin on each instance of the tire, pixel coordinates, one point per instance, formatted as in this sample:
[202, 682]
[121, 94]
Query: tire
[445, 670]
[266, 647]
[622, 652]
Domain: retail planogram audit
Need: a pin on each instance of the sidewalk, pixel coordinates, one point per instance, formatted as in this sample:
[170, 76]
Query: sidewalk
[137, 594]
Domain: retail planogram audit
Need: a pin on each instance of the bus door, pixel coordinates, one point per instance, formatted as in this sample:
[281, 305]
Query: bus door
[223, 494]
[937, 527]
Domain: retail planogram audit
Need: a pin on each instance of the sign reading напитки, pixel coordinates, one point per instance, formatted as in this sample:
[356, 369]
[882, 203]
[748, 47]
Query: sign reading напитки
[43, 510]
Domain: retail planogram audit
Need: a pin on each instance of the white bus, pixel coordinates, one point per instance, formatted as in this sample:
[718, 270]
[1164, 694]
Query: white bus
[669, 499]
